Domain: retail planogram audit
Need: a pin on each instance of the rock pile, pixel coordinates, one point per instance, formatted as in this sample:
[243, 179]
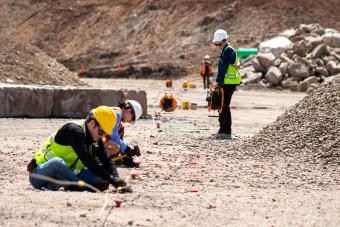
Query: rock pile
[21, 63]
[309, 131]
[299, 59]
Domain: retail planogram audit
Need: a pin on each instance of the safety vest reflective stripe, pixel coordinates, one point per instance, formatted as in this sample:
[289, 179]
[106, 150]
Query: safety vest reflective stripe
[49, 155]
[232, 75]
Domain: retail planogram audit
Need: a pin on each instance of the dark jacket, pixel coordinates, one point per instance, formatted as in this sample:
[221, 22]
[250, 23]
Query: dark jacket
[73, 135]
[227, 57]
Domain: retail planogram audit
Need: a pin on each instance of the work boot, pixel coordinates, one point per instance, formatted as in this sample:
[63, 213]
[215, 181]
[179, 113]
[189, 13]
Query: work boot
[223, 136]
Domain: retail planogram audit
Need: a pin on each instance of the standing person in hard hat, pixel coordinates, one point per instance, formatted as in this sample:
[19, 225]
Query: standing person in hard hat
[228, 78]
[206, 71]
[127, 112]
[71, 148]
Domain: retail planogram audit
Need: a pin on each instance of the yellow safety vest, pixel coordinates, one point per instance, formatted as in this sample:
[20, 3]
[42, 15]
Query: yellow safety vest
[232, 75]
[52, 149]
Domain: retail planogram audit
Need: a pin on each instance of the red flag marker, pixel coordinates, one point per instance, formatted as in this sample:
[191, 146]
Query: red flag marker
[194, 190]
[133, 175]
[82, 69]
[118, 203]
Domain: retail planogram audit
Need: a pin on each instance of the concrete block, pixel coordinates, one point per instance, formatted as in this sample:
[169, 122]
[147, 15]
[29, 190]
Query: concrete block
[54, 101]
[77, 102]
[27, 101]
[2, 102]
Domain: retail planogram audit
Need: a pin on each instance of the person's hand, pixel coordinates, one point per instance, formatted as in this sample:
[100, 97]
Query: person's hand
[111, 147]
[216, 85]
[133, 152]
[117, 182]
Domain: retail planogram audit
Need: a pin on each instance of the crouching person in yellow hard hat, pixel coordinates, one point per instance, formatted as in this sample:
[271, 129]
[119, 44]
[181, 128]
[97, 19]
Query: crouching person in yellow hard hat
[127, 112]
[68, 151]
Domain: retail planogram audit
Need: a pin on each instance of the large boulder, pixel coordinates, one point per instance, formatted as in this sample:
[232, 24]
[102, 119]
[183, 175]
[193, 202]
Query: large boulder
[288, 83]
[258, 67]
[277, 45]
[285, 58]
[313, 41]
[288, 33]
[298, 70]
[253, 78]
[319, 51]
[321, 71]
[332, 39]
[274, 75]
[301, 48]
[311, 79]
[333, 68]
[283, 68]
[246, 71]
[266, 59]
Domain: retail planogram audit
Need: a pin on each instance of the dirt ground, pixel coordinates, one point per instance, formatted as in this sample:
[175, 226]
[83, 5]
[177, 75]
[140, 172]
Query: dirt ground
[178, 158]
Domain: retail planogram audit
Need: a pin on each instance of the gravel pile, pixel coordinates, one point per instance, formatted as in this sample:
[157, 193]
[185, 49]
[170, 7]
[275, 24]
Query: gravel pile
[298, 59]
[309, 131]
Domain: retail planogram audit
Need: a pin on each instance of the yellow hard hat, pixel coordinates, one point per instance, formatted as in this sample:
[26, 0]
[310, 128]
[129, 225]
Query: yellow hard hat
[106, 118]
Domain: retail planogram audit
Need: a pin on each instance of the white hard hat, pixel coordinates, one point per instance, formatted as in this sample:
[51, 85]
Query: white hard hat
[137, 109]
[220, 35]
[206, 57]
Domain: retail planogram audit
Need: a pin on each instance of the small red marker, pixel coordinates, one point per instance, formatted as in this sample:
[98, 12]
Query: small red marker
[193, 162]
[194, 190]
[118, 203]
[133, 175]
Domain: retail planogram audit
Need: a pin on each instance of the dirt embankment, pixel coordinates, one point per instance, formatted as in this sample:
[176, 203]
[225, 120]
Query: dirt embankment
[25, 64]
[150, 33]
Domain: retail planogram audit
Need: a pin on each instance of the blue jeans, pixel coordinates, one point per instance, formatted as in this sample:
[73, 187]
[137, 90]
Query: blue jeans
[56, 168]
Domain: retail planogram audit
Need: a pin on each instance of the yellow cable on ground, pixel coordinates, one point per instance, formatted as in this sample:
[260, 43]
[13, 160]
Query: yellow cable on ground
[64, 182]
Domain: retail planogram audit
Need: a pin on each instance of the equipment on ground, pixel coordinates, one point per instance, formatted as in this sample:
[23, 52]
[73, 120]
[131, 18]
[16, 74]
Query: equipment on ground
[168, 84]
[244, 53]
[192, 85]
[168, 103]
[215, 99]
[126, 189]
[194, 106]
[185, 84]
[128, 153]
[185, 105]
[220, 35]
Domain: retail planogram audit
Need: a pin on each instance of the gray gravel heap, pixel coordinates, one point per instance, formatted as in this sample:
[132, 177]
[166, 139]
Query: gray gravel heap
[313, 58]
[309, 131]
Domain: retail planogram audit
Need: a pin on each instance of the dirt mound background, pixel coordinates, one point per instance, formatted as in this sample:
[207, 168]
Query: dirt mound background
[309, 131]
[26, 64]
[146, 33]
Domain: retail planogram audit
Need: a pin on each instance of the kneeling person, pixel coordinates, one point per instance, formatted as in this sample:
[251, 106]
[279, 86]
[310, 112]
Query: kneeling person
[67, 152]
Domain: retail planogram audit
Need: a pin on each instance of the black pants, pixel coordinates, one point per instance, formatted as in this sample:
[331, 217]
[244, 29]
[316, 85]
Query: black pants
[206, 82]
[225, 115]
